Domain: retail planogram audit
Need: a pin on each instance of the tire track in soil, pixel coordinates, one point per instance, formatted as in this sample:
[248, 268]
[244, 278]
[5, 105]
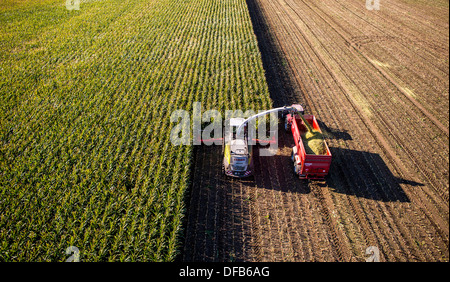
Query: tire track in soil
[364, 30]
[404, 48]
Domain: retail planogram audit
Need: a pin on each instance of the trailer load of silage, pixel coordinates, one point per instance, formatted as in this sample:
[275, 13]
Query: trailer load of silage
[313, 140]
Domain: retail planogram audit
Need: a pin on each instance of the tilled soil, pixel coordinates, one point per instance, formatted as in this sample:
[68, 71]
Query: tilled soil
[378, 83]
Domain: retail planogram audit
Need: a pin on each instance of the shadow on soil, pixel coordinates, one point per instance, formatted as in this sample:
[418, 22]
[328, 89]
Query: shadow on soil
[362, 174]
[366, 175]
[358, 173]
[333, 133]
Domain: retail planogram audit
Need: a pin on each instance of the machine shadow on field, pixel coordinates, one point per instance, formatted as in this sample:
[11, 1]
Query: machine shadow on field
[333, 133]
[361, 173]
[365, 175]
[357, 173]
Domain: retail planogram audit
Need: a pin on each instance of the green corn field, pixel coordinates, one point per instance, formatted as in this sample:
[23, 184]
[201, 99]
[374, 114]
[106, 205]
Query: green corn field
[85, 102]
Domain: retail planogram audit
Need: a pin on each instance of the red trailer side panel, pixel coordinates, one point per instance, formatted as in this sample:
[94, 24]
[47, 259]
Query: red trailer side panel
[311, 166]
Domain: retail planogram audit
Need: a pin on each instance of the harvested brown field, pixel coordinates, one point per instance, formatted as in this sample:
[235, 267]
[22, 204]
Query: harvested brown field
[378, 82]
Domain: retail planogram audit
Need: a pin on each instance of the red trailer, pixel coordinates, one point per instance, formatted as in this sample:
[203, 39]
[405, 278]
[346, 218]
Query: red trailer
[306, 166]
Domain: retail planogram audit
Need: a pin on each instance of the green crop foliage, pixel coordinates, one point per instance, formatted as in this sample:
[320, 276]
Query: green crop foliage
[85, 102]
